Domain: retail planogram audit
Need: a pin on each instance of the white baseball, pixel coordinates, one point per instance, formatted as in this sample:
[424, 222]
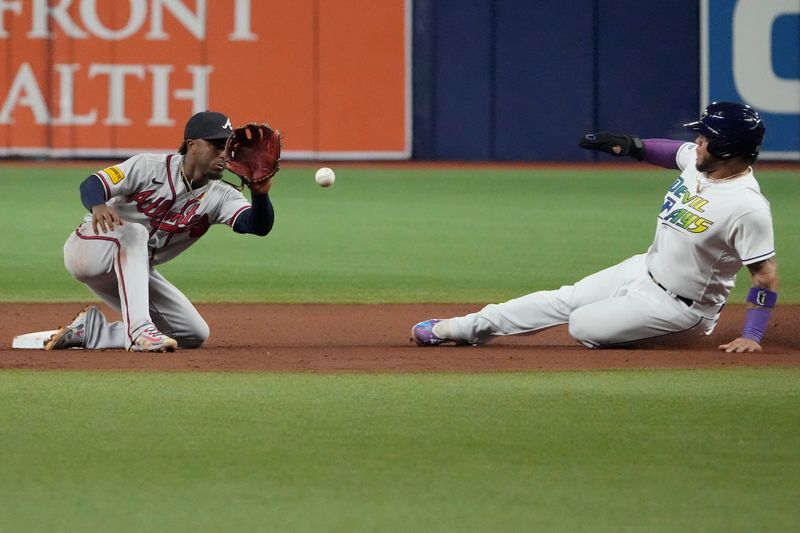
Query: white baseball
[325, 177]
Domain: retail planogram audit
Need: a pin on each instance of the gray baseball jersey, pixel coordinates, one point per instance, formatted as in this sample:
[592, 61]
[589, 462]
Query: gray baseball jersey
[147, 189]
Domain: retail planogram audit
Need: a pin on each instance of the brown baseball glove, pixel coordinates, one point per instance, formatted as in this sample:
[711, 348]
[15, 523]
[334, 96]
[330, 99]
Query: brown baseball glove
[254, 152]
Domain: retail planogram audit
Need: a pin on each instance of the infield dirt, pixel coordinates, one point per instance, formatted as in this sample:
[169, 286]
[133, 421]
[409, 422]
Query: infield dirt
[375, 338]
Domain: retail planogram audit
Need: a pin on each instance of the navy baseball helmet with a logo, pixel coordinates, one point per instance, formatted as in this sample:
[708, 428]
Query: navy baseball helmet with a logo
[208, 125]
[732, 130]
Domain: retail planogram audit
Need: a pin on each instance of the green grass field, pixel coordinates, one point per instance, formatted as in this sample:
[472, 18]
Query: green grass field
[390, 235]
[609, 451]
[558, 451]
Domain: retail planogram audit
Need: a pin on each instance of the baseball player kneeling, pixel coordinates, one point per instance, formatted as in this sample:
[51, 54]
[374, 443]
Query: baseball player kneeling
[713, 220]
[147, 210]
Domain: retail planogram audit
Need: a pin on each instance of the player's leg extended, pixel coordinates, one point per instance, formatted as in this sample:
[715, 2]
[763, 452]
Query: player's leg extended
[174, 314]
[541, 309]
[118, 257]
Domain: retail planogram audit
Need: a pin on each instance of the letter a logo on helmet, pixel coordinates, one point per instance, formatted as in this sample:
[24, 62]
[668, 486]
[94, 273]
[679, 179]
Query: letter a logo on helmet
[732, 130]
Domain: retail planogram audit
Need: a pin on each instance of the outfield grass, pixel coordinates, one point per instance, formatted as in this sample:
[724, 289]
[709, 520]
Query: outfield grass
[388, 235]
[591, 451]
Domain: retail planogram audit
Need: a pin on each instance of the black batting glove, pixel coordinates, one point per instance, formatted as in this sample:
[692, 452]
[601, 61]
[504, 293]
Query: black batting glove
[616, 144]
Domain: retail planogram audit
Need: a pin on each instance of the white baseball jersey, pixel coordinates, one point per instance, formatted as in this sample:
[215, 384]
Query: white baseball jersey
[147, 189]
[707, 229]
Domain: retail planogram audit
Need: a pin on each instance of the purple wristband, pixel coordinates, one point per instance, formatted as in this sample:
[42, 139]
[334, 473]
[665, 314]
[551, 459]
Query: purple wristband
[762, 297]
[755, 323]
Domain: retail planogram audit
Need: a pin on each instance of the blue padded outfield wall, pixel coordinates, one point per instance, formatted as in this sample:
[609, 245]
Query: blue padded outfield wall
[522, 80]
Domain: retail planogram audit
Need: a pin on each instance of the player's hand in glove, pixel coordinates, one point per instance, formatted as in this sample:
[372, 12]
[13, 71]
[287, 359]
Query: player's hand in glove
[618, 144]
[253, 152]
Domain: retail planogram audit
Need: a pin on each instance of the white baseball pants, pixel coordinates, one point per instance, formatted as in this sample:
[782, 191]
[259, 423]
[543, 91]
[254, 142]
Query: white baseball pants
[617, 305]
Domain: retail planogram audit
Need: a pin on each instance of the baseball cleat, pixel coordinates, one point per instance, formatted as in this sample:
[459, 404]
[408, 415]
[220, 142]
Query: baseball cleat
[72, 335]
[423, 334]
[152, 340]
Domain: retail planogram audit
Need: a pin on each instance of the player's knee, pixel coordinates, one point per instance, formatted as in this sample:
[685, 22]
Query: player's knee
[584, 330]
[196, 337]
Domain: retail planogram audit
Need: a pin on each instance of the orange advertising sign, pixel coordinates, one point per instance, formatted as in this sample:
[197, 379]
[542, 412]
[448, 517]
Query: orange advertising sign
[99, 78]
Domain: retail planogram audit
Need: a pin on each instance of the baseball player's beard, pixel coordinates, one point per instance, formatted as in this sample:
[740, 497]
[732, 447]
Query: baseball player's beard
[212, 175]
[709, 164]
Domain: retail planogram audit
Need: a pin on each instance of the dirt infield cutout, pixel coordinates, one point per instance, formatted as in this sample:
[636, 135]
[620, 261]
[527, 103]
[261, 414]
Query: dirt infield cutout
[375, 338]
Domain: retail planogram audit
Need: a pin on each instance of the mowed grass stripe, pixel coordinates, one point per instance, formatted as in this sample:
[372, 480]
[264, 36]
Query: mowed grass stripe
[389, 235]
[710, 450]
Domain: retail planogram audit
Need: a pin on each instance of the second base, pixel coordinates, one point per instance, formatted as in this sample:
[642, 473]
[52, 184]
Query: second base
[32, 341]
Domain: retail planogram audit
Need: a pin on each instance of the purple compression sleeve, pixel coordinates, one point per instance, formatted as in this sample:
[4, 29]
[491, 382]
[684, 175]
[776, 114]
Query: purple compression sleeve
[755, 323]
[757, 318]
[661, 152]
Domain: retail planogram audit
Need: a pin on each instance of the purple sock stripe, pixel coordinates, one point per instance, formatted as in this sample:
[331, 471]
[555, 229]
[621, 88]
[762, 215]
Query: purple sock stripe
[662, 152]
[755, 323]
[762, 297]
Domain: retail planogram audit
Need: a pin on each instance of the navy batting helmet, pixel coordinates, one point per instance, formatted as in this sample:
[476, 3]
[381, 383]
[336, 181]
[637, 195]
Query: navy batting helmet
[732, 130]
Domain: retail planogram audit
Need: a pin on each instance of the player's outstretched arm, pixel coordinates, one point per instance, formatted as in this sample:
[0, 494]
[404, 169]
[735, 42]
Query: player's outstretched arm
[257, 220]
[617, 144]
[660, 152]
[760, 301]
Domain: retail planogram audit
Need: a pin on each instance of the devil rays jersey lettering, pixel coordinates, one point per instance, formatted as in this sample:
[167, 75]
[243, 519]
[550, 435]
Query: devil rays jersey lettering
[684, 209]
[706, 230]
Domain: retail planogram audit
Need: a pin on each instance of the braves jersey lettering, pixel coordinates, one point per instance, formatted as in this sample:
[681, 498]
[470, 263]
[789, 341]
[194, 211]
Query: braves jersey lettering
[151, 194]
[199, 227]
[152, 207]
[184, 220]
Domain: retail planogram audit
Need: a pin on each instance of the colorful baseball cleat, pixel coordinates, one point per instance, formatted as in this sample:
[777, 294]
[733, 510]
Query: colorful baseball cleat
[152, 340]
[72, 335]
[423, 334]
